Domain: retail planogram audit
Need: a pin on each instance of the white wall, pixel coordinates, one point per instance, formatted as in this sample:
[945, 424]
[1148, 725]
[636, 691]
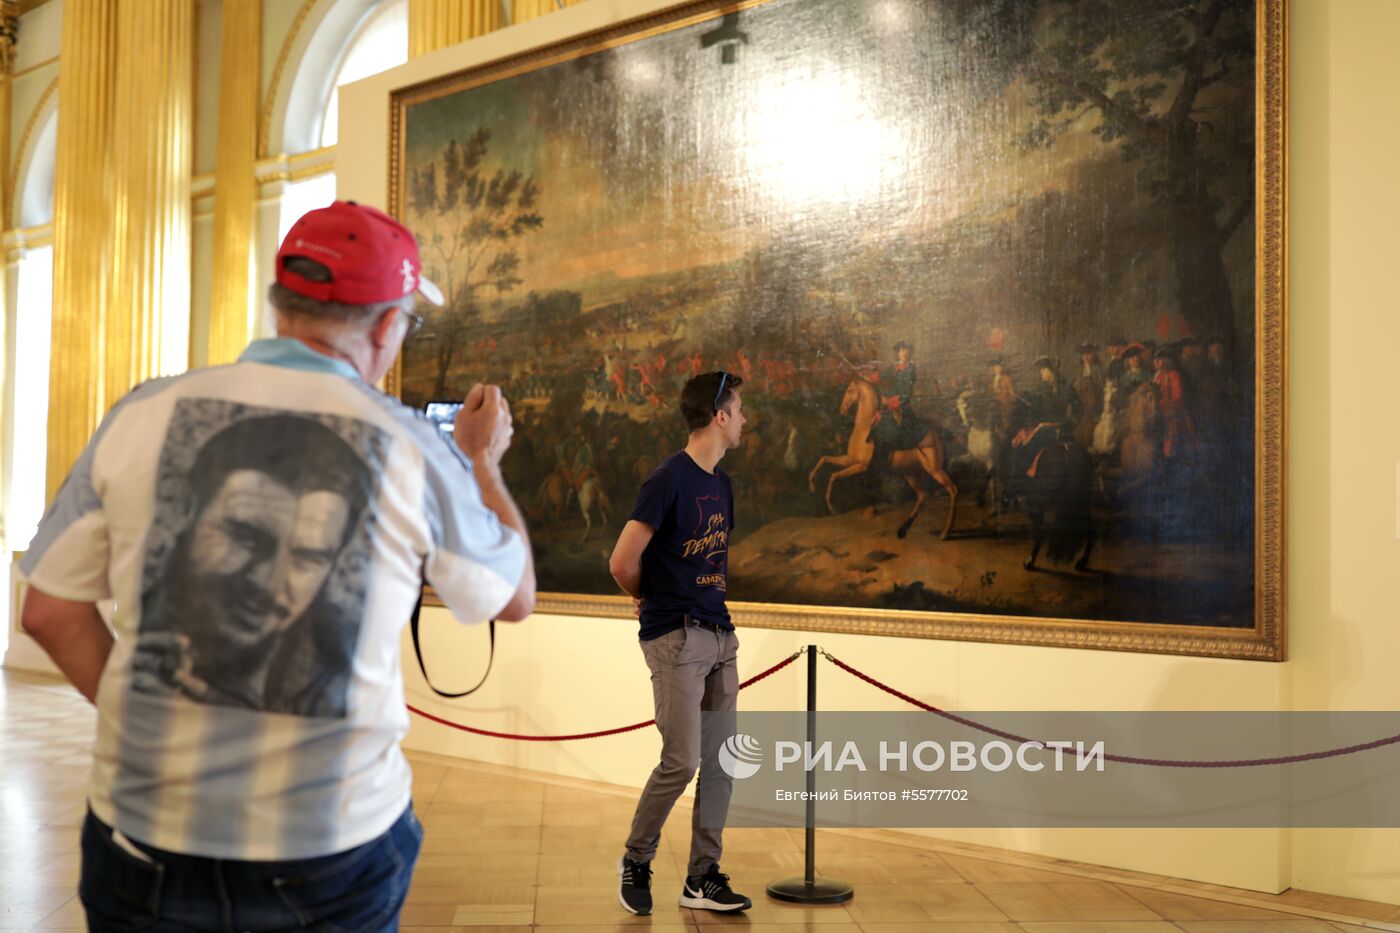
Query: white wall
[1345, 444]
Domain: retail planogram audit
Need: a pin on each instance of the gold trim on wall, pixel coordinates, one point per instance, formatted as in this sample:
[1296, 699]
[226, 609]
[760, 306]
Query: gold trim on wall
[19, 240]
[30, 126]
[275, 81]
[1266, 641]
[35, 67]
[27, 6]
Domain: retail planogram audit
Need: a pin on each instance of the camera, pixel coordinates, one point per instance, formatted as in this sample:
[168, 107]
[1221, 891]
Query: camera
[443, 414]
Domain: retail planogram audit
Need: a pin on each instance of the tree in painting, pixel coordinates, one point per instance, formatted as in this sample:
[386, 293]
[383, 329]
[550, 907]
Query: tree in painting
[469, 219]
[1157, 81]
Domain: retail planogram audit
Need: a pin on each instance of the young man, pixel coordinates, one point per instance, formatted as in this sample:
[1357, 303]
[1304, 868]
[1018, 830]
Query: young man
[265, 529]
[673, 559]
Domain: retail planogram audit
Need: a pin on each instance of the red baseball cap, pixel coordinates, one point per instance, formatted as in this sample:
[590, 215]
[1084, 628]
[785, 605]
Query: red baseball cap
[371, 256]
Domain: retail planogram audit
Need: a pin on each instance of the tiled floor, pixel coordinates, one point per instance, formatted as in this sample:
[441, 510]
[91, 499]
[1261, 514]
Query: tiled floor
[529, 851]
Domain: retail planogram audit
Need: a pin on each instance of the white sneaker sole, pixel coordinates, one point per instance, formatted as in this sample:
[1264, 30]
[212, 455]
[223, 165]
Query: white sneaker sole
[701, 902]
[623, 901]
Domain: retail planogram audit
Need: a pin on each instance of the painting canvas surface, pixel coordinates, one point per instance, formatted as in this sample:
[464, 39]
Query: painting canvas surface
[999, 249]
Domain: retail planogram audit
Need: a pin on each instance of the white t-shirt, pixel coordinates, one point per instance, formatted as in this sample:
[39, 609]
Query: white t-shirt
[263, 530]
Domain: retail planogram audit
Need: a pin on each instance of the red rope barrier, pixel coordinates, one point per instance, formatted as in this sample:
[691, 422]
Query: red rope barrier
[1121, 759]
[586, 735]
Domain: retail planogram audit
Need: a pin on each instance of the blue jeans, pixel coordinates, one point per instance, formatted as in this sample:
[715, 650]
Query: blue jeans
[359, 890]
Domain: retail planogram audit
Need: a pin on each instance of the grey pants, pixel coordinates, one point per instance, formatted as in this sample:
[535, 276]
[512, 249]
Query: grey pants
[692, 669]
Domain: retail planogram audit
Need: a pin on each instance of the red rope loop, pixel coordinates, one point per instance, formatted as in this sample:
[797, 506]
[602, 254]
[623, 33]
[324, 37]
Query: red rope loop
[1121, 759]
[586, 735]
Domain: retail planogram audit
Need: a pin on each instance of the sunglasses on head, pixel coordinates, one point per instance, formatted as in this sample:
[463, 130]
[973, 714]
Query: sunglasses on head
[723, 380]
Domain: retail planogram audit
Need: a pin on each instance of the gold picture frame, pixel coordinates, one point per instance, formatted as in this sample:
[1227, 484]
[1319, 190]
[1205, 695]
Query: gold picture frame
[1266, 638]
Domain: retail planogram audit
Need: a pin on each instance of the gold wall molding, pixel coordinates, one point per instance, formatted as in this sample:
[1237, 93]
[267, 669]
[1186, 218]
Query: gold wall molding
[28, 6]
[275, 82]
[202, 187]
[20, 240]
[283, 167]
[30, 127]
[436, 24]
[296, 166]
[35, 67]
[83, 189]
[231, 310]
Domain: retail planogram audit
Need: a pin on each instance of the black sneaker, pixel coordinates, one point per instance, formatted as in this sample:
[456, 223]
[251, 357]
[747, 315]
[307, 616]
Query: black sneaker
[635, 890]
[711, 891]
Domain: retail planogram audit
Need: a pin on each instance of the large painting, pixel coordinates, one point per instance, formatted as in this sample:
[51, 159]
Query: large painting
[1003, 280]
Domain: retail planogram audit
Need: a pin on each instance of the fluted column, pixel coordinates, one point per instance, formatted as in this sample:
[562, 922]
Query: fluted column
[82, 229]
[231, 313]
[521, 10]
[148, 329]
[434, 24]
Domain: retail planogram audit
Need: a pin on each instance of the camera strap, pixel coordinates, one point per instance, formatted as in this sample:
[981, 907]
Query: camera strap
[418, 651]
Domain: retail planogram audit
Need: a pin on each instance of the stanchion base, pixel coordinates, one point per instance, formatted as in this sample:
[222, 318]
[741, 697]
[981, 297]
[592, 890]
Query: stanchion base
[819, 891]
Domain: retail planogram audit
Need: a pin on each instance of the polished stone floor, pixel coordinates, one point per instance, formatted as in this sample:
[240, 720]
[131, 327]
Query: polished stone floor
[533, 851]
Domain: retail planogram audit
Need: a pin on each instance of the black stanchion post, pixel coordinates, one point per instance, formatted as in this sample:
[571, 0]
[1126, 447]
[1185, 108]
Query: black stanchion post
[809, 889]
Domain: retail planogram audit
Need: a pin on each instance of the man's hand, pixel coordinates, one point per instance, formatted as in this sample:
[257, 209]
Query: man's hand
[484, 426]
[164, 663]
[625, 565]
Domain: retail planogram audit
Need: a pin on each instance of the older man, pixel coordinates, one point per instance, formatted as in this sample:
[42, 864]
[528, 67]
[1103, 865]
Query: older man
[264, 531]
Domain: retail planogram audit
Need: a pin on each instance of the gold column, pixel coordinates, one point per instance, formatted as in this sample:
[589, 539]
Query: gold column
[434, 24]
[521, 10]
[149, 306]
[235, 190]
[82, 229]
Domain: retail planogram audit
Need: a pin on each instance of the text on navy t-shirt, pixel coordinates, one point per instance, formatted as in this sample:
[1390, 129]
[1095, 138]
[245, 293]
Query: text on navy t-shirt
[685, 567]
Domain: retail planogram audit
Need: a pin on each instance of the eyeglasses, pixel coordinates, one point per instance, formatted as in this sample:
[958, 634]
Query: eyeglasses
[723, 379]
[415, 323]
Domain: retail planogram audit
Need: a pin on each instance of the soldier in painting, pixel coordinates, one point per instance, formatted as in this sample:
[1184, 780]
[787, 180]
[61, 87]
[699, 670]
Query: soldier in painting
[1179, 434]
[898, 428]
[1134, 374]
[1087, 394]
[1116, 345]
[1003, 392]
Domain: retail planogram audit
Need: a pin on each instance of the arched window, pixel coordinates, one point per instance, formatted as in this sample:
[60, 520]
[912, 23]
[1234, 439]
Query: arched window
[376, 42]
[379, 44]
[28, 421]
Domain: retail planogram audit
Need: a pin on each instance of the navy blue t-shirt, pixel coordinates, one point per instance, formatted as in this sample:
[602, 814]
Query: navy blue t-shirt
[685, 567]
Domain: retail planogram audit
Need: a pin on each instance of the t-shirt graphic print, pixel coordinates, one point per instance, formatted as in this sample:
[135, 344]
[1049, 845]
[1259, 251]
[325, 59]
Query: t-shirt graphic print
[253, 584]
[685, 567]
[710, 542]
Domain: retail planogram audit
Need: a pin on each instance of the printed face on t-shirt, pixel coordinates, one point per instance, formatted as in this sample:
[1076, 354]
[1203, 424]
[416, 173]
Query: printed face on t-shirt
[266, 551]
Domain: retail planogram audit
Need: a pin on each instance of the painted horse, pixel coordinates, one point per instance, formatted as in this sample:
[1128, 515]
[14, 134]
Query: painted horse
[926, 459]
